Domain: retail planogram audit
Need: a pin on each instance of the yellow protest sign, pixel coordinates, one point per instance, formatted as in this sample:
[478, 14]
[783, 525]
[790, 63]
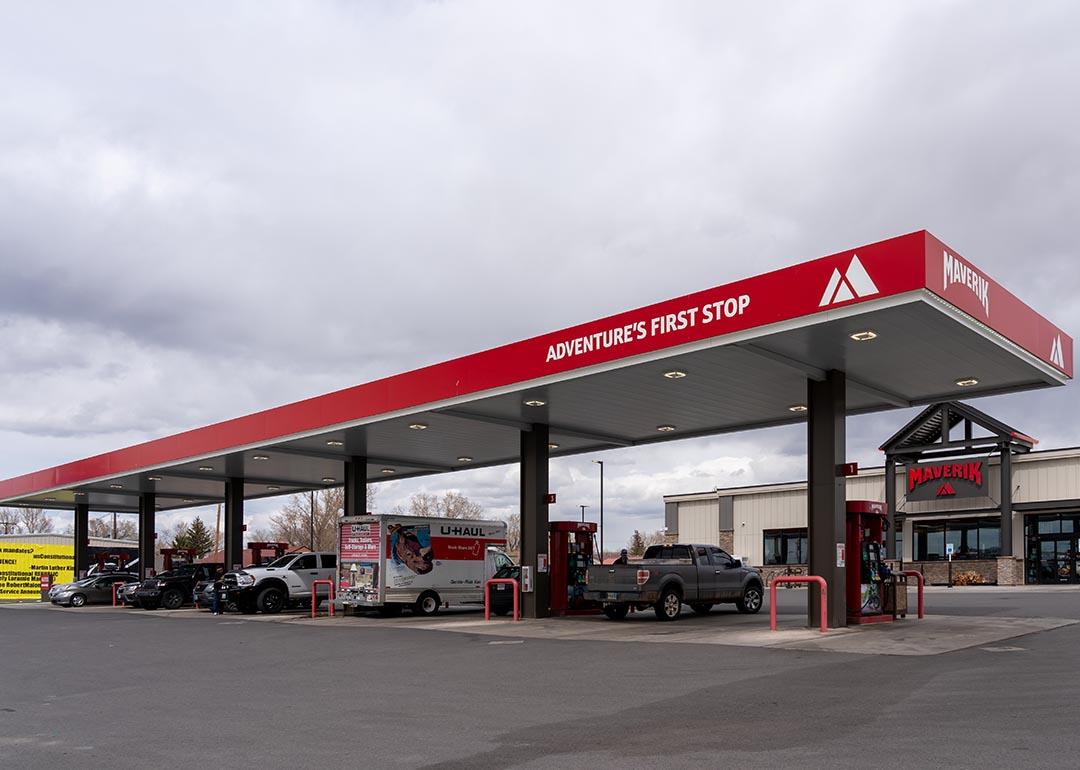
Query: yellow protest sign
[22, 564]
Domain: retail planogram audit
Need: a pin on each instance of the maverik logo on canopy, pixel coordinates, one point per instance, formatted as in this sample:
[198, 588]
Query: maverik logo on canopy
[955, 270]
[948, 479]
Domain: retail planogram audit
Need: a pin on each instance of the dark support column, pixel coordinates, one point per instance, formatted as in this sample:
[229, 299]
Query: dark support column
[356, 486]
[826, 449]
[82, 535]
[234, 523]
[147, 525]
[1006, 502]
[890, 503]
[534, 517]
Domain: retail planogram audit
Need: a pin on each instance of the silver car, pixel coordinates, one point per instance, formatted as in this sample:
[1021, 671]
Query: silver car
[92, 590]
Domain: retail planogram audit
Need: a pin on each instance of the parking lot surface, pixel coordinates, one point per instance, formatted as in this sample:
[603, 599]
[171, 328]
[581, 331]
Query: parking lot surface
[127, 688]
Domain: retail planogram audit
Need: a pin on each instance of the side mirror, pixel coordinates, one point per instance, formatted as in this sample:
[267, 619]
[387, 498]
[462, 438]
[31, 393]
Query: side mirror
[736, 563]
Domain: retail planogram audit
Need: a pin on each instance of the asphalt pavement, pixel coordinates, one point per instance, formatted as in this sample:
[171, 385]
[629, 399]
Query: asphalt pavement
[118, 689]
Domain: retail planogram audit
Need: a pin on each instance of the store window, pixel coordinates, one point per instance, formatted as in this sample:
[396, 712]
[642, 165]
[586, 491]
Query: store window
[970, 539]
[786, 546]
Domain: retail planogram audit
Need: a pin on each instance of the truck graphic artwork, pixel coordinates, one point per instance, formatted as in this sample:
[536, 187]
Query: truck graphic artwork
[410, 546]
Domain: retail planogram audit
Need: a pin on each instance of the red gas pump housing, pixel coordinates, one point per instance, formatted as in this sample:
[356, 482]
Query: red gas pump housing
[570, 550]
[180, 555]
[257, 549]
[865, 554]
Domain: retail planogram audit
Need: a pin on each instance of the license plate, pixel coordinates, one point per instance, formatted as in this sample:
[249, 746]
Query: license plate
[612, 597]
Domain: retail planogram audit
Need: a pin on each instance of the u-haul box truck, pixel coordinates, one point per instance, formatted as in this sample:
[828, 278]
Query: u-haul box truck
[390, 562]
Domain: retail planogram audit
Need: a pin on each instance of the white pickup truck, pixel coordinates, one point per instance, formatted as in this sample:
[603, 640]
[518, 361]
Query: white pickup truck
[283, 582]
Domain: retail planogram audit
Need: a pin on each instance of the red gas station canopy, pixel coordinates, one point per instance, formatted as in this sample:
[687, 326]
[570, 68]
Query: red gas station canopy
[908, 320]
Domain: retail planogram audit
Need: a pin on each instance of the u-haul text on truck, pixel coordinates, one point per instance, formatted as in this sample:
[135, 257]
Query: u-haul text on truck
[390, 562]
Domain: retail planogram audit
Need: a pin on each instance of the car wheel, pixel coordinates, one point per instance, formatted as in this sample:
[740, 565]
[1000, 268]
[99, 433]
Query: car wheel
[669, 605]
[271, 600]
[751, 599]
[701, 608]
[78, 600]
[616, 611]
[427, 604]
[172, 600]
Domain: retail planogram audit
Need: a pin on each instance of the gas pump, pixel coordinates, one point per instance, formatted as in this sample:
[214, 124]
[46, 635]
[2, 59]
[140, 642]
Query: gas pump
[257, 549]
[866, 554]
[174, 557]
[570, 547]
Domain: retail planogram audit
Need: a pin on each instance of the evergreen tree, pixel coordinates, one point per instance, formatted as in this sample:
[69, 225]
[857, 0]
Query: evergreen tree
[199, 537]
[636, 546]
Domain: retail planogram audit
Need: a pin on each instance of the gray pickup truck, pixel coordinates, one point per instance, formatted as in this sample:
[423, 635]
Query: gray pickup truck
[670, 575]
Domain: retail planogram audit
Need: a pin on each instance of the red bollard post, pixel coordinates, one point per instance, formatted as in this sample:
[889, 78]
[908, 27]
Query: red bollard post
[919, 578]
[315, 599]
[487, 595]
[799, 579]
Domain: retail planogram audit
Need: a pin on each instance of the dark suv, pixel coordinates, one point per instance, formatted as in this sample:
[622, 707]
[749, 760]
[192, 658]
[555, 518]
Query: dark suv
[173, 589]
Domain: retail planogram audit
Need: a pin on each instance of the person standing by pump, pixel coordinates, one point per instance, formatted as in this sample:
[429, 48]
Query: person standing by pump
[623, 558]
[219, 586]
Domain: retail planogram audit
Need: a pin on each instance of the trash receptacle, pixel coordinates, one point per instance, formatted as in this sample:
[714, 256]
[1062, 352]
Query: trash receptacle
[46, 585]
[895, 599]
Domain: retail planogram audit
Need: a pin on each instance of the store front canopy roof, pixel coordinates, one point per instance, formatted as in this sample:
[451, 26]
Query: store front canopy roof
[907, 319]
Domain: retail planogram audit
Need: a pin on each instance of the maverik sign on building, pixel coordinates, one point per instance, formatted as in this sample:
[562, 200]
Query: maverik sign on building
[930, 481]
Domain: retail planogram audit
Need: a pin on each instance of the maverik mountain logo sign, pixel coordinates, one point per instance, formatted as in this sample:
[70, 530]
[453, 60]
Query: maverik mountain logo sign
[950, 479]
[956, 270]
[1057, 357]
[854, 283]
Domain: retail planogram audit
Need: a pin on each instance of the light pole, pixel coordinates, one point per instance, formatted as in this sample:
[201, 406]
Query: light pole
[583, 507]
[601, 464]
[311, 524]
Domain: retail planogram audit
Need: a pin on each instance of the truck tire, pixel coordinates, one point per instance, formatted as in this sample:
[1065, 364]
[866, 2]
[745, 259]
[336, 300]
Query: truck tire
[271, 600]
[427, 605]
[172, 600]
[669, 605]
[701, 608]
[616, 611]
[751, 599]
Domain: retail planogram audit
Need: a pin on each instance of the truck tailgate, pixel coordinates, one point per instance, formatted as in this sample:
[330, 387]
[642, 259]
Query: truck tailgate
[613, 577]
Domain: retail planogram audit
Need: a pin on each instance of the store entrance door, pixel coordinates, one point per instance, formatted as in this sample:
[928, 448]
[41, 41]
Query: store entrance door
[1057, 559]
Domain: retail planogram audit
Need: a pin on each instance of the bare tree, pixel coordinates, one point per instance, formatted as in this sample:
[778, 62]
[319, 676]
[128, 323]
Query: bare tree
[452, 505]
[654, 538]
[126, 529]
[35, 520]
[513, 533]
[299, 523]
[10, 521]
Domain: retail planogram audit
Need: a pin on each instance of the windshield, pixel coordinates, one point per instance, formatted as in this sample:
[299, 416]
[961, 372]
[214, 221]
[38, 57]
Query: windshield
[282, 561]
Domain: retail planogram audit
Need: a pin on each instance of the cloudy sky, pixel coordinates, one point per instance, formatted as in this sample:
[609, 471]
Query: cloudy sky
[212, 208]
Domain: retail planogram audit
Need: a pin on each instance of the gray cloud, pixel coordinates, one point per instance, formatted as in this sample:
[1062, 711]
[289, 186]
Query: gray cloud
[207, 209]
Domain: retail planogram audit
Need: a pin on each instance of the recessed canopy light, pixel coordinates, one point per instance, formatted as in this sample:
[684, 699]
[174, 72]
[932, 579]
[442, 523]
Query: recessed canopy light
[328, 480]
[535, 402]
[967, 382]
[864, 336]
[335, 442]
[665, 428]
[188, 500]
[553, 446]
[388, 471]
[464, 459]
[153, 478]
[260, 457]
[272, 489]
[80, 494]
[116, 486]
[797, 408]
[675, 374]
[206, 467]
[418, 426]
[50, 499]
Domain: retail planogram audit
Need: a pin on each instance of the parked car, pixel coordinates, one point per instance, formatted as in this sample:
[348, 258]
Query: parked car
[670, 575]
[282, 583]
[203, 597]
[173, 589]
[91, 590]
[126, 594]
